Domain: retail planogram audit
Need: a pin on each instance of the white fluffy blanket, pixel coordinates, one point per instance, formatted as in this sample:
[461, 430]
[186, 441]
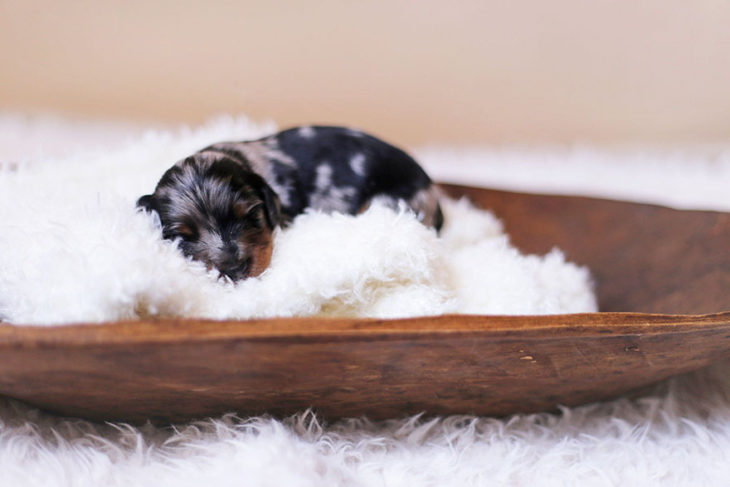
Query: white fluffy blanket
[677, 435]
[74, 249]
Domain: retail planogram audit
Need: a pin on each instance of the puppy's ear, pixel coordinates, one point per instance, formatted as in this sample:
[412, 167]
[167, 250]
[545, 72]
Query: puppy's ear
[272, 204]
[272, 210]
[147, 202]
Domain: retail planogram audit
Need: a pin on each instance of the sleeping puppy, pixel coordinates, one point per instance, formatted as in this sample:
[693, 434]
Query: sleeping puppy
[224, 202]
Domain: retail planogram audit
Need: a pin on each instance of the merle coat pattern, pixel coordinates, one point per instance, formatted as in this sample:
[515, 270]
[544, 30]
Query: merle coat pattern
[224, 201]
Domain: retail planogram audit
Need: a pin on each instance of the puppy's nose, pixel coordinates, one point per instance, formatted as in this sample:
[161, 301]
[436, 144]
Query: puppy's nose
[230, 248]
[228, 256]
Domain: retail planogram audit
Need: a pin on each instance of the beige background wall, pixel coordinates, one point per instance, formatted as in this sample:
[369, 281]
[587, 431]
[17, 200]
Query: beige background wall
[470, 71]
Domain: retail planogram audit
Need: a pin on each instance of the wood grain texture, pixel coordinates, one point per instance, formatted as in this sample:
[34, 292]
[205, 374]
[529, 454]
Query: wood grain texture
[645, 258]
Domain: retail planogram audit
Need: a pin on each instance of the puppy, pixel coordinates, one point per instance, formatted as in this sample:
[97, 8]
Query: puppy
[224, 202]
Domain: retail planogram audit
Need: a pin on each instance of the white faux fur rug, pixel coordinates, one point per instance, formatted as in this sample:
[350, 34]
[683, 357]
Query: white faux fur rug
[677, 435]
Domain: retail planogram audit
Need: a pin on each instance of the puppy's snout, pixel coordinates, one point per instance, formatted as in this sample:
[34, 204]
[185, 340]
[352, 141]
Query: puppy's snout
[239, 271]
[230, 262]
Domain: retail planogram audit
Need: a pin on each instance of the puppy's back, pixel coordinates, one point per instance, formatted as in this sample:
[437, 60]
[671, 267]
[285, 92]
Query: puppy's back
[337, 169]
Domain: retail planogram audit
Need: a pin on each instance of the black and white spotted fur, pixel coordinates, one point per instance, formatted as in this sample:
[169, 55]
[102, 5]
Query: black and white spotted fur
[224, 201]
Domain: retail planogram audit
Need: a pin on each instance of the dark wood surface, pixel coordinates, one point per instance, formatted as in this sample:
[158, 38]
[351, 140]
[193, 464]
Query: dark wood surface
[645, 259]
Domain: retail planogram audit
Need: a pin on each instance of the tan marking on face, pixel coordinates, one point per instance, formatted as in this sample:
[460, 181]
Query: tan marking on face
[261, 245]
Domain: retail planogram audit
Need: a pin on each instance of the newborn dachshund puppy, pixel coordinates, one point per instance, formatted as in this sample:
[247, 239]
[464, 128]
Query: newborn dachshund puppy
[224, 201]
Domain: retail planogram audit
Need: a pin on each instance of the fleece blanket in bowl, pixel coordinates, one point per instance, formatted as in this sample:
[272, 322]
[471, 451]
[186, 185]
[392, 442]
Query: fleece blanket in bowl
[75, 249]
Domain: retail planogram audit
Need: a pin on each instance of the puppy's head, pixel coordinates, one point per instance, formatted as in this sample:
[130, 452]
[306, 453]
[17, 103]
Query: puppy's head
[222, 214]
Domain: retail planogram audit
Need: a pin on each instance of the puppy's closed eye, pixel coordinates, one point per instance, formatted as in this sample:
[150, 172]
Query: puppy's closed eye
[187, 232]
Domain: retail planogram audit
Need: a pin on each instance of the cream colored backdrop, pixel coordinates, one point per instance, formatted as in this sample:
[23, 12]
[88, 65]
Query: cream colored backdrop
[470, 71]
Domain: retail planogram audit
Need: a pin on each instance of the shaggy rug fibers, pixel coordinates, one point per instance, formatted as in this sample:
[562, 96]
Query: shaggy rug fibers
[676, 434]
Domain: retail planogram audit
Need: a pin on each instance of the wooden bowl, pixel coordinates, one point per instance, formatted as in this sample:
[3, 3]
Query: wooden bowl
[658, 272]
